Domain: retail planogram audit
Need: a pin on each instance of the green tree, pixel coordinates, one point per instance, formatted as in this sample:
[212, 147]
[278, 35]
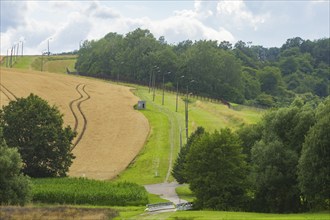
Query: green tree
[314, 163]
[275, 156]
[249, 135]
[35, 128]
[270, 79]
[216, 171]
[289, 65]
[275, 181]
[179, 172]
[15, 188]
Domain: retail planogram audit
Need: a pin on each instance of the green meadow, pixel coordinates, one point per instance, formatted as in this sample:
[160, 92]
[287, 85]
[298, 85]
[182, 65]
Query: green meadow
[163, 144]
[54, 64]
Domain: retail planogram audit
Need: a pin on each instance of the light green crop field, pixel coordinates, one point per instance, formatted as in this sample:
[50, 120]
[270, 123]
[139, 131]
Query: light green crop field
[58, 64]
[24, 62]
[54, 64]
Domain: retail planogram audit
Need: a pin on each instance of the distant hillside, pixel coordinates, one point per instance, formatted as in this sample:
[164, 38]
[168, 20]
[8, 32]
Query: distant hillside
[241, 73]
[55, 63]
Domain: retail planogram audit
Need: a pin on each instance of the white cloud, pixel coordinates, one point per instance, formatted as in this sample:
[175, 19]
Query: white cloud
[69, 22]
[68, 37]
[12, 14]
[236, 14]
[204, 9]
[180, 27]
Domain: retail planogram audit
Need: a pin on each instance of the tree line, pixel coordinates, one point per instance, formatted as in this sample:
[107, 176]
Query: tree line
[278, 165]
[241, 73]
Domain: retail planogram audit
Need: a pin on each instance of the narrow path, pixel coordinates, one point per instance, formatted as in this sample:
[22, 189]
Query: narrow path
[75, 107]
[170, 162]
[173, 134]
[11, 96]
[165, 191]
[73, 112]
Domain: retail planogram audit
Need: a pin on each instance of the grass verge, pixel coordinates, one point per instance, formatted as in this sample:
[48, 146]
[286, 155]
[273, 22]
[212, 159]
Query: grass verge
[219, 215]
[185, 193]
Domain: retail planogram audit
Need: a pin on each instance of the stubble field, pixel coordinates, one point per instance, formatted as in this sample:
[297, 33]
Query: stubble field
[100, 112]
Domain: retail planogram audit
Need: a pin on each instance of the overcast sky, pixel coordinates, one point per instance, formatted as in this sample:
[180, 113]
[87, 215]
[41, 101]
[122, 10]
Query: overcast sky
[66, 23]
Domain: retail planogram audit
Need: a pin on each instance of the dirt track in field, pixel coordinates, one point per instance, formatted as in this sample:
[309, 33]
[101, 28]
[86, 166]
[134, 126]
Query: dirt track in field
[110, 131]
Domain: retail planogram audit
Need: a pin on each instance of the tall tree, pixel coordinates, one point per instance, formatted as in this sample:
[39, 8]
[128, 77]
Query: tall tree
[36, 129]
[216, 171]
[15, 188]
[179, 168]
[314, 163]
[275, 157]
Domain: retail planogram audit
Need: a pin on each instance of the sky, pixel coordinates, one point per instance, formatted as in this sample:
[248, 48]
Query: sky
[64, 25]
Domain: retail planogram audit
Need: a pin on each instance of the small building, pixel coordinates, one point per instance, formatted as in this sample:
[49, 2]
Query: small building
[141, 105]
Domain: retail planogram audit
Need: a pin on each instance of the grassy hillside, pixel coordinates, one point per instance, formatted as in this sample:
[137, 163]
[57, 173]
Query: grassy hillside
[58, 64]
[54, 64]
[162, 147]
[155, 160]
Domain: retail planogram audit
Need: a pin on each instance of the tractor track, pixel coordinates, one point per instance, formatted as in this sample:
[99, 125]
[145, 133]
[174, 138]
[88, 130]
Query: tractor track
[84, 96]
[11, 96]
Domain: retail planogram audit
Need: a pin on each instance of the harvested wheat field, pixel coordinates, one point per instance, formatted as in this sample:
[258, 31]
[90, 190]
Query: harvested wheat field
[110, 131]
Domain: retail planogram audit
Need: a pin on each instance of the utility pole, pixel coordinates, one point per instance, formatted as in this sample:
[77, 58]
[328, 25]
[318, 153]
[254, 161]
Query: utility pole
[186, 109]
[177, 93]
[17, 50]
[151, 77]
[7, 58]
[151, 74]
[14, 56]
[154, 85]
[11, 57]
[164, 85]
[22, 48]
[48, 45]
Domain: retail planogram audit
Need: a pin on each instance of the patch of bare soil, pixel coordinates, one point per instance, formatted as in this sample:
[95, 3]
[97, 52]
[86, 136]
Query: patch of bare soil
[55, 213]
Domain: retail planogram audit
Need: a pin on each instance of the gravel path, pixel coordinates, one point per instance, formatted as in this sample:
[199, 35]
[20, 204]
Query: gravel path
[165, 191]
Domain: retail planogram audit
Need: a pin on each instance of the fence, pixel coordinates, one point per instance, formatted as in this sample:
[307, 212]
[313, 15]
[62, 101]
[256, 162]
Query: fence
[160, 206]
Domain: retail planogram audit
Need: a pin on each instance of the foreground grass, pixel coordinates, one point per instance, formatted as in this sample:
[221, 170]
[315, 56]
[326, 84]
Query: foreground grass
[218, 215]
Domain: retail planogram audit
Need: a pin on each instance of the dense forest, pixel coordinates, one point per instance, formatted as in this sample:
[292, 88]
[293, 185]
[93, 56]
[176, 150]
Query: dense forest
[278, 165]
[241, 73]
